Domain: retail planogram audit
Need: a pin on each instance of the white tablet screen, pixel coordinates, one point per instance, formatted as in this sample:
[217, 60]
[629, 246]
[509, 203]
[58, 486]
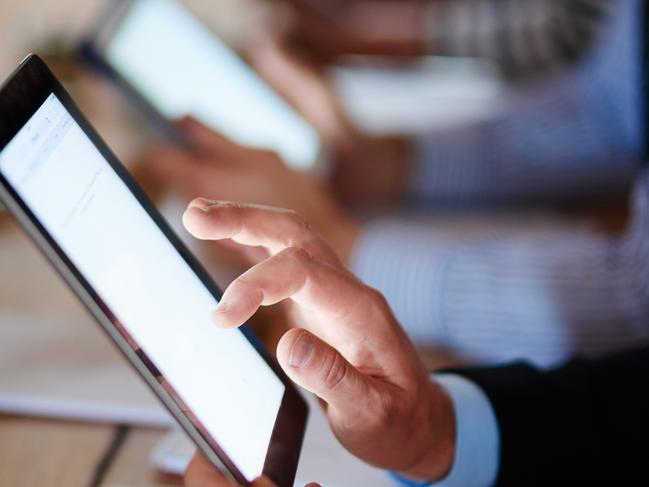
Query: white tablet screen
[154, 294]
[182, 68]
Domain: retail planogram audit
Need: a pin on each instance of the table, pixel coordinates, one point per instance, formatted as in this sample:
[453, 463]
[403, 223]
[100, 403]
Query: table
[51, 453]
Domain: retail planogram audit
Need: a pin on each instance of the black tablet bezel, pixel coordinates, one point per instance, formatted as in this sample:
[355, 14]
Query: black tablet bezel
[20, 96]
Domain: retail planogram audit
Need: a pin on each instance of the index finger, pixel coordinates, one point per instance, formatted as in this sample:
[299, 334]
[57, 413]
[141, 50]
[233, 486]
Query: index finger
[255, 225]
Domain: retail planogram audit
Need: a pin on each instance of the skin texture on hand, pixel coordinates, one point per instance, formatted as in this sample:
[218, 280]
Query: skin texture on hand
[346, 346]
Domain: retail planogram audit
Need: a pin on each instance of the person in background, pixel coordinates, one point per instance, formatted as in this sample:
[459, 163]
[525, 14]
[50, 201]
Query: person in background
[576, 134]
[498, 295]
[525, 38]
[583, 424]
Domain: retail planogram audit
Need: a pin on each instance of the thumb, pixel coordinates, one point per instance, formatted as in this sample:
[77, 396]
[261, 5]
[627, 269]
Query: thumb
[322, 370]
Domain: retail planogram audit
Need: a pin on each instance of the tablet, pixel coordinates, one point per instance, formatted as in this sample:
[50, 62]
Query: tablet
[172, 66]
[152, 298]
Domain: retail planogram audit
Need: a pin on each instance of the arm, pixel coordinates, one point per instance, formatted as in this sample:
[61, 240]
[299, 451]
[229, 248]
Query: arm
[583, 132]
[504, 295]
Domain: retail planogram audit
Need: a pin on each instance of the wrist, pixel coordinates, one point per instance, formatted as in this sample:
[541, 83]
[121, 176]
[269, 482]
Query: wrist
[435, 457]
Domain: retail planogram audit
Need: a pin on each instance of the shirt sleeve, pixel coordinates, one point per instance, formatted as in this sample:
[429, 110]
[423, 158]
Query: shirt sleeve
[523, 37]
[541, 292]
[580, 132]
[477, 452]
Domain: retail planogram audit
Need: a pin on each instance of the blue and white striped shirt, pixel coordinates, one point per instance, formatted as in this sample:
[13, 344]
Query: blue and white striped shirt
[580, 131]
[523, 37]
[544, 296]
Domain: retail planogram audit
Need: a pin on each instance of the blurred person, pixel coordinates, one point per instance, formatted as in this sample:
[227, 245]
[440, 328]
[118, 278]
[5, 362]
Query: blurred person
[498, 295]
[523, 37]
[584, 423]
[577, 134]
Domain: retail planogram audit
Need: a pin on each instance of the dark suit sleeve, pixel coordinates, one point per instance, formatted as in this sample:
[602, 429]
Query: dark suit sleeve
[586, 423]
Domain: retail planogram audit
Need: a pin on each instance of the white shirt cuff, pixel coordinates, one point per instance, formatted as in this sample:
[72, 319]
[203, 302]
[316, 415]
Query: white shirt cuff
[477, 454]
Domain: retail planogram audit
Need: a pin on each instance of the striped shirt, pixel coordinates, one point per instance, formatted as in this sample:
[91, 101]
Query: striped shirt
[523, 36]
[581, 131]
[503, 294]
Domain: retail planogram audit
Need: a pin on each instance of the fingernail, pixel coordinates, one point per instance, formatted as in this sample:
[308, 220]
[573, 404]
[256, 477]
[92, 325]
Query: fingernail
[301, 351]
[204, 209]
[221, 308]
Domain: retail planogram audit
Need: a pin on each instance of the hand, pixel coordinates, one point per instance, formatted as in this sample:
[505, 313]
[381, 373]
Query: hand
[350, 351]
[329, 29]
[225, 170]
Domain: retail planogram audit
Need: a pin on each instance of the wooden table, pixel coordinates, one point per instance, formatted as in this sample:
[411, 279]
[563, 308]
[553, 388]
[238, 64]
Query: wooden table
[49, 453]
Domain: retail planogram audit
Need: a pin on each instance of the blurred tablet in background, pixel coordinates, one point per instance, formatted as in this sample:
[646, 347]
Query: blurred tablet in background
[172, 66]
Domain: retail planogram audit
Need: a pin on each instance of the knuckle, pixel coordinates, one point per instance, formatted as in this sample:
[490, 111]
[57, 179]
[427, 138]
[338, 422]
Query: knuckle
[388, 411]
[377, 299]
[334, 370]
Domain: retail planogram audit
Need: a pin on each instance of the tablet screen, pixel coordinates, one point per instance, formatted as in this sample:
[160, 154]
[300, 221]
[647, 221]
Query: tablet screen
[159, 304]
[182, 68]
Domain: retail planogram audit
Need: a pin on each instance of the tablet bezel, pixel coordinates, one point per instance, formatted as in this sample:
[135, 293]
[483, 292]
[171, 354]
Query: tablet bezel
[20, 96]
[92, 51]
